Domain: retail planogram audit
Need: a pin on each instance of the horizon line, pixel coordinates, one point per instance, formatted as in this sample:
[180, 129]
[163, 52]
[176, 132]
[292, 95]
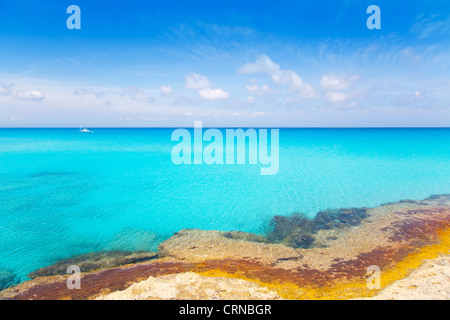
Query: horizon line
[231, 127]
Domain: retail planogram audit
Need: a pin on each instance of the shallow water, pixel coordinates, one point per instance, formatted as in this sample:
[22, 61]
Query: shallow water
[64, 193]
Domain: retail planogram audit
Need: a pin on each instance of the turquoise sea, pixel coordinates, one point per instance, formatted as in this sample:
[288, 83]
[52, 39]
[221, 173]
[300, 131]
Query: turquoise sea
[64, 193]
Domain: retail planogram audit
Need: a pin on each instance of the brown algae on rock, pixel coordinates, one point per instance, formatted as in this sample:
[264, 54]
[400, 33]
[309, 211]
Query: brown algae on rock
[94, 261]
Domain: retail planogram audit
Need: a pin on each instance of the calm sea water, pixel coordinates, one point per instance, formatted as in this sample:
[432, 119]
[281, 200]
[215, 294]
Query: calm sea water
[64, 193]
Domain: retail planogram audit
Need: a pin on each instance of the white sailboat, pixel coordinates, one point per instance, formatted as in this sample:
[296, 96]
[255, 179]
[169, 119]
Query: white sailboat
[82, 129]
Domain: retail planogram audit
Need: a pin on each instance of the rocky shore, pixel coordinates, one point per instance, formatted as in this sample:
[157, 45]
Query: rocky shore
[299, 258]
[431, 281]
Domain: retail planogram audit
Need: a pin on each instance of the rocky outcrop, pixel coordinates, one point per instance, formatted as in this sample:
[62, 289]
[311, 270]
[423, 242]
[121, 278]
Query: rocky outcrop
[193, 245]
[192, 286]
[431, 281]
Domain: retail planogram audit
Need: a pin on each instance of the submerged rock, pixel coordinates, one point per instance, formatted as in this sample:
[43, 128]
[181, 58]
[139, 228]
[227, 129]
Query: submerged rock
[194, 245]
[340, 218]
[297, 230]
[7, 279]
[294, 231]
[299, 240]
[93, 261]
[245, 236]
[284, 226]
[135, 240]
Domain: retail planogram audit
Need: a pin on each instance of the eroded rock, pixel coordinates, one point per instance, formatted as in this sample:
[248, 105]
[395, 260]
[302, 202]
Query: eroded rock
[192, 286]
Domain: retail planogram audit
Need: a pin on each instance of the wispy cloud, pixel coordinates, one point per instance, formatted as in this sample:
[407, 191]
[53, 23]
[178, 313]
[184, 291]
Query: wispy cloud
[338, 82]
[139, 95]
[6, 88]
[202, 31]
[258, 90]
[195, 81]
[251, 99]
[431, 25]
[280, 76]
[84, 91]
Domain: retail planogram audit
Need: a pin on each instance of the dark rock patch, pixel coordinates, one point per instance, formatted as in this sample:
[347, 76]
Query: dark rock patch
[7, 279]
[94, 261]
[298, 230]
[239, 235]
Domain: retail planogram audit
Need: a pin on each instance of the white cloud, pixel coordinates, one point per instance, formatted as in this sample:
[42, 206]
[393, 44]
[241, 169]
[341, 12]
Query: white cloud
[258, 90]
[336, 96]
[196, 81]
[251, 99]
[213, 94]
[166, 90]
[201, 83]
[338, 86]
[33, 95]
[280, 76]
[338, 82]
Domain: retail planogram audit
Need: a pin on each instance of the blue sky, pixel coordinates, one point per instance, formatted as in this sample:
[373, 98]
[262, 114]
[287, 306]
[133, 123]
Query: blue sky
[228, 63]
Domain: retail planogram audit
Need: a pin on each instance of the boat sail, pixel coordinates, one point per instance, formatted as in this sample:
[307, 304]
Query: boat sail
[82, 129]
